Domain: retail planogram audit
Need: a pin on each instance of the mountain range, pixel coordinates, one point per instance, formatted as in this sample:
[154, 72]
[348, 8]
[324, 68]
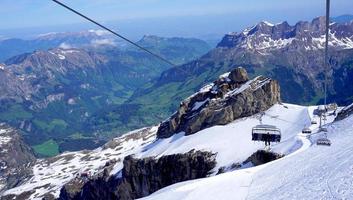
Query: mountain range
[293, 55]
[52, 95]
[74, 106]
[203, 150]
[80, 94]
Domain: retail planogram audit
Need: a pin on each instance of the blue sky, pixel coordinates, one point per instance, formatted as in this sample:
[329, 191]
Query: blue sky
[202, 15]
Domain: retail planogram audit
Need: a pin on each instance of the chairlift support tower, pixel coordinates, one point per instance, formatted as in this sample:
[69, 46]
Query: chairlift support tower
[325, 141]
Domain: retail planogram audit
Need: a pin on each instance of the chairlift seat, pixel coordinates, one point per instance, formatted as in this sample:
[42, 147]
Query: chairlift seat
[313, 122]
[323, 129]
[306, 131]
[265, 133]
[323, 142]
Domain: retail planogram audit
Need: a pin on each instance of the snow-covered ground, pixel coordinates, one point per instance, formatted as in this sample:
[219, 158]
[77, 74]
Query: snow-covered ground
[232, 142]
[318, 173]
[308, 172]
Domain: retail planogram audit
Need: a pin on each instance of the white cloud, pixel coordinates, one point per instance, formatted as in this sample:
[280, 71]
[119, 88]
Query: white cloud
[65, 46]
[99, 32]
[99, 42]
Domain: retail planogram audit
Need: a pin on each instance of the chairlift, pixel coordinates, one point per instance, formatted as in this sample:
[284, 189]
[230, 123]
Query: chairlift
[266, 133]
[323, 142]
[306, 131]
[323, 129]
[313, 122]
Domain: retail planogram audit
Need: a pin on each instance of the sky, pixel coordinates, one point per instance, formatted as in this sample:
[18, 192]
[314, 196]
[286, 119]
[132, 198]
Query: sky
[163, 17]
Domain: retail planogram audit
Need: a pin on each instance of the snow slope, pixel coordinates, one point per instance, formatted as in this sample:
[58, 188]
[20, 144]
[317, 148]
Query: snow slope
[310, 172]
[231, 143]
[318, 173]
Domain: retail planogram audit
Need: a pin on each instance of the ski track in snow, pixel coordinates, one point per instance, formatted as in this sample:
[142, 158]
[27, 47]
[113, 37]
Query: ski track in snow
[318, 173]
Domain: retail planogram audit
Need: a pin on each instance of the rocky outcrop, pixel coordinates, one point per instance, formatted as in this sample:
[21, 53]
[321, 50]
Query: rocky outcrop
[141, 177]
[16, 158]
[230, 97]
[258, 158]
[345, 112]
[261, 157]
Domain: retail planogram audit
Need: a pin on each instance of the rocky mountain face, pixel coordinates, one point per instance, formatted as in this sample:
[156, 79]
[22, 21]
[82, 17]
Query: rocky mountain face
[265, 36]
[49, 175]
[16, 158]
[62, 97]
[134, 165]
[291, 54]
[345, 112]
[43, 90]
[141, 177]
[11, 87]
[231, 97]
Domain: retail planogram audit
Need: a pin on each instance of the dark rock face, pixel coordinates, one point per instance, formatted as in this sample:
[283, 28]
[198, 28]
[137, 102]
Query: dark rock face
[227, 99]
[16, 158]
[258, 158]
[239, 75]
[141, 177]
[144, 179]
[347, 111]
[261, 157]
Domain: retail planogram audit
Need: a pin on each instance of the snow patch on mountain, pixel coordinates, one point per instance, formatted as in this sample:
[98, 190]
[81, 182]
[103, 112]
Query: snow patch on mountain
[319, 42]
[267, 23]
[199, 104]
[4, 138]
[49, 175]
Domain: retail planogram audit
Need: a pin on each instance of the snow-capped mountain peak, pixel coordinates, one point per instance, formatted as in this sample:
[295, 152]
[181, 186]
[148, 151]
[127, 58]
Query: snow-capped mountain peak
[266, 36]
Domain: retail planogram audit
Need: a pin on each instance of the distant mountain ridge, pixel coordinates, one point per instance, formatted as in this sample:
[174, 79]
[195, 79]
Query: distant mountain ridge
[59, 93]
[310, 35]
[343, 18]
[12, 46]
[293, 55]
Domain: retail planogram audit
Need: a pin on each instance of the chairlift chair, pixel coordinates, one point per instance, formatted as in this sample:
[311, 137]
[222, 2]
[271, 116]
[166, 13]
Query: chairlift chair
[313, 122]
[323, 129]
[306, 131]
[323, 142]
[266, 133]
